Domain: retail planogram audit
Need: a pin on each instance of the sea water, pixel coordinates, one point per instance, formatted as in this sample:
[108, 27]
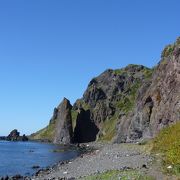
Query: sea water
[20, 157]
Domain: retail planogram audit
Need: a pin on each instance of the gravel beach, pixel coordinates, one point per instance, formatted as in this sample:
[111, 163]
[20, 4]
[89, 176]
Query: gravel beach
[104, 157]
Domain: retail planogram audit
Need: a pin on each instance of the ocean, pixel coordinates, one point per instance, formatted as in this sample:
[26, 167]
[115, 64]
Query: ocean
[20, 157]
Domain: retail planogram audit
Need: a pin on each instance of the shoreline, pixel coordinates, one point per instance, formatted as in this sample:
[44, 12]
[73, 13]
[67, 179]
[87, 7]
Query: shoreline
[97, 158]
[80, 148]
[105, 157]
[125, 158]
[56, 149]
[84, 149]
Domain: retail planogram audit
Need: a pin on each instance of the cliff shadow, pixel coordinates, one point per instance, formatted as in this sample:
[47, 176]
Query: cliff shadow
[85, 130]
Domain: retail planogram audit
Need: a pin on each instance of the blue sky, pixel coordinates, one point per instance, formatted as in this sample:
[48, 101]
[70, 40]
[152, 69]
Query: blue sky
[52, 49]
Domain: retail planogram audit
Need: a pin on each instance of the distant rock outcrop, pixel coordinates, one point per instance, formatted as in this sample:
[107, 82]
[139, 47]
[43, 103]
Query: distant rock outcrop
[15, 136]
[63, 131]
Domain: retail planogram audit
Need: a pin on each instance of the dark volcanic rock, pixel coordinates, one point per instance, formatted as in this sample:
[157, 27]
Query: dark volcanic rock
[63, 132]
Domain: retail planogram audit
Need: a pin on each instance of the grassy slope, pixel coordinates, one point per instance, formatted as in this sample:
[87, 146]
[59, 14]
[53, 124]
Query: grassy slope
[74, 115]
[167, 143]
[116, 175]
[45, 134]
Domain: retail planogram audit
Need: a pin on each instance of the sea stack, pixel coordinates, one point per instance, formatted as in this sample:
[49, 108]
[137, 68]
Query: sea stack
[63, 131]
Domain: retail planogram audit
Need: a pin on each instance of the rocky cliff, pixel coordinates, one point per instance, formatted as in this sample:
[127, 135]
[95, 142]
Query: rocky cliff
[158, 100]
[59, 129]
[122, 105]
[110, 96]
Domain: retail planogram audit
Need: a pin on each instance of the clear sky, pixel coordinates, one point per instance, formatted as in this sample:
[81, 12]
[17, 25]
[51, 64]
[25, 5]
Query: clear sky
[52, 49]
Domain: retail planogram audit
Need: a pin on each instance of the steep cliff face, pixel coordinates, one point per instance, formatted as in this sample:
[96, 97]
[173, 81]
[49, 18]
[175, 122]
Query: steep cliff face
[108, 97]
[158, 100]
[121, 105]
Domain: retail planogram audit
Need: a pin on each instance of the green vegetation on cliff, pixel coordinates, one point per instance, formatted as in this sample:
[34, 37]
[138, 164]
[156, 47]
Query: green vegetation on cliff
[123, 100]
[127, 99]
[81, 104]
[108, 129]
[74, 115]
[125, 104]
[169, 49]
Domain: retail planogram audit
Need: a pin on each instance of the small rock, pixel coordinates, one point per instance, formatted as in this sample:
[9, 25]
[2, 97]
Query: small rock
[62, 163]
[144, 166]
[125, 168]
[35, 167]
[169, 167]
[18, 176]
[38, 172]
[6, 178]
